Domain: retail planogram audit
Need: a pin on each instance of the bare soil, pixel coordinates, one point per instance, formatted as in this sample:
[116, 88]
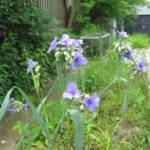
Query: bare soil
[8, 136]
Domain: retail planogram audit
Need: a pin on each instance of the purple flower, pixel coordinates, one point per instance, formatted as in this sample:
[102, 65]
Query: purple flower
[73, 43]
[80, 49]
[72, 91]
[64, 40]
[123, 34]
[53, 45]
[78, 60]
[26, 106]
[31, 65]
[80, 41]
[92, 102]
[11, 101]
[127, 54]
[141, 66]
[12, 111]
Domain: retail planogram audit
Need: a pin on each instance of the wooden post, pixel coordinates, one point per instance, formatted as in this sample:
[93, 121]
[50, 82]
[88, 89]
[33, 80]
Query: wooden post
[70, 17]
[122, 25]
[99, 37]
[114, 24]
[101, 46]
[68, 3]
[108, 41]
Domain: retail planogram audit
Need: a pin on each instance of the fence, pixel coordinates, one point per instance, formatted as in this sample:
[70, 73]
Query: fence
[55, 7]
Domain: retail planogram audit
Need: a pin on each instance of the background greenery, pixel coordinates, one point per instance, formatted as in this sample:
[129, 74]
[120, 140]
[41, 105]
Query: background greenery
[139, 40]
[23, 26]
[101, 12]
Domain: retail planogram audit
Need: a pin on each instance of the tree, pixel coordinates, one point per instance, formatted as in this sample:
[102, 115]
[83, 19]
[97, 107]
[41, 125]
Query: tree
[115, 8]
[98, 11]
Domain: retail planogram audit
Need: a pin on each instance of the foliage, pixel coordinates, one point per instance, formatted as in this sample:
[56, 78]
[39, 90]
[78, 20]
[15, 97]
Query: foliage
[101, 128]
[23, 26]
[92, 45]
[111, 126]
[140, 40]
[102, 11]
[82, 17]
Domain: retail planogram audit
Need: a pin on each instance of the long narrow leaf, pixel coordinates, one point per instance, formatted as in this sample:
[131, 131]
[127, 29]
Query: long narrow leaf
[78, 121]
[4, 106]
[38, 117]
[54, 86]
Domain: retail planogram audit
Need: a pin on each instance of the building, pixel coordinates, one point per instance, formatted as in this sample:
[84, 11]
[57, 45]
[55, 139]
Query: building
[142, 22]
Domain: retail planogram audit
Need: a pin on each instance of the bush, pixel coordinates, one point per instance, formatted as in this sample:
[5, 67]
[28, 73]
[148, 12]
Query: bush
[23, 26]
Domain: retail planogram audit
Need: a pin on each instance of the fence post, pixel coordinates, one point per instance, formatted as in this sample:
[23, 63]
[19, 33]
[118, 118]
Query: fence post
[114, 27]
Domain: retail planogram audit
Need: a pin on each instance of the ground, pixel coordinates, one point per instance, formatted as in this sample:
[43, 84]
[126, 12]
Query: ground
[9, 137]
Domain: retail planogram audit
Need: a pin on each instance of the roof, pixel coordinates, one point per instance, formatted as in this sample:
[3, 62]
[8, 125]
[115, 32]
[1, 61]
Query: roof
[144, 10]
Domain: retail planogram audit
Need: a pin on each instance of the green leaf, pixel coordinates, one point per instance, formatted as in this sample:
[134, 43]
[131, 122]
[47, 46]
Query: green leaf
[78, 121]
[54, 86]
[38, 117]
[4, 106]
[35, 112]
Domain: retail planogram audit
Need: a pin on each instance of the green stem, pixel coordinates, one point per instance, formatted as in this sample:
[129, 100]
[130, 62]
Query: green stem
[60, 75]
[145, 80]
[119, 65]
[117, 75]
[124, 111]
[83, 77]
[111, 83]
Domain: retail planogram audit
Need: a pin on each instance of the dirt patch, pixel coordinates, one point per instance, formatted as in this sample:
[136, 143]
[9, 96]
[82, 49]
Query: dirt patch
[9, 137]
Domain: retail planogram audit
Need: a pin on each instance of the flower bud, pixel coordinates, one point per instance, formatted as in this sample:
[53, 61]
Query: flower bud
[37, 69]
[73, 53]
[81, 107]
[56, 54]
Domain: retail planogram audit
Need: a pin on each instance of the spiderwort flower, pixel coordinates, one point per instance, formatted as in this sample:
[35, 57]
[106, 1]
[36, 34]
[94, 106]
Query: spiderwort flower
[26, 106]
[141, 66]
[127, 54]
[72, 91]
[12, 111]
[53, 45]
[11, 101]
[92, 102]
[78, 60]
[73, 43]
[123, 34]
[80, 41]
[64, 40]
[31, 65]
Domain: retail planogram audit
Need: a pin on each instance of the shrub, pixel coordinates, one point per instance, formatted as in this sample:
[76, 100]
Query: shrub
[23, 26]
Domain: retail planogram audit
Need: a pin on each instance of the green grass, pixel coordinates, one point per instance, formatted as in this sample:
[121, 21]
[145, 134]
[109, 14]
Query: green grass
[140, 40]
